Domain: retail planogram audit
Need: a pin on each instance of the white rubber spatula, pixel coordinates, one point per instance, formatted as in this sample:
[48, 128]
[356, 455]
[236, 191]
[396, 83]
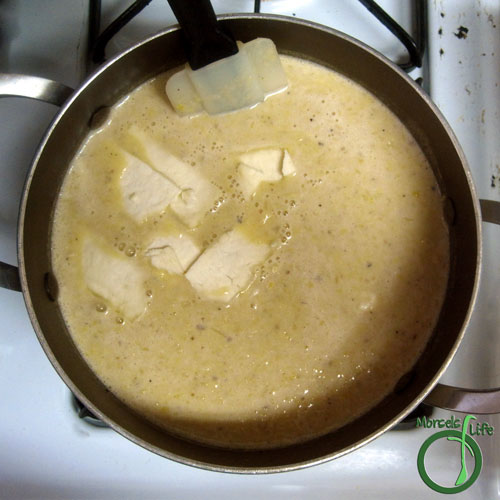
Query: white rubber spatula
[222, 75]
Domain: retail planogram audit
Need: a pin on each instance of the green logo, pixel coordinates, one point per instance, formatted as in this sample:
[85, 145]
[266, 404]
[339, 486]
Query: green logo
[467, 444]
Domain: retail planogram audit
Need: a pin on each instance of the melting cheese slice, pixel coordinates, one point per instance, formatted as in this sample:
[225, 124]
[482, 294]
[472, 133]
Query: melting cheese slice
[226, 267]
[263, 165]
[287, 167]
[115, 278]
[197, 195]
[173, 253]
[145, 192]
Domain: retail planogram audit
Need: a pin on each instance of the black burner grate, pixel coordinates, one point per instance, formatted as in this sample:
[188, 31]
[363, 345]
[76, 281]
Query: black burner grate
[85, 414]
[415, 48]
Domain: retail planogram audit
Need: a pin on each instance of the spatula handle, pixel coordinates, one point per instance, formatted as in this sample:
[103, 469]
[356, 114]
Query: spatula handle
[205, 40]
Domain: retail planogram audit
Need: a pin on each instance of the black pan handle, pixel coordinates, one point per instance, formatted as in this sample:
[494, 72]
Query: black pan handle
[41, 89]
[204, 38]
[9, 277]
[490, 211]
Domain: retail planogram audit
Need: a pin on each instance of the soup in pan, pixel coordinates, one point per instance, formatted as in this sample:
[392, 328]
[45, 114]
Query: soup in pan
[253, 279]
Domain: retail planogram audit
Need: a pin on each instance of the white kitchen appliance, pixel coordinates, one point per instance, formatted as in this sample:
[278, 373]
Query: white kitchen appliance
[47, 451]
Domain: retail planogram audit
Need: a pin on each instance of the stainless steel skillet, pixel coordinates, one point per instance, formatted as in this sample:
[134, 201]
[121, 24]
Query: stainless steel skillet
[332, 49]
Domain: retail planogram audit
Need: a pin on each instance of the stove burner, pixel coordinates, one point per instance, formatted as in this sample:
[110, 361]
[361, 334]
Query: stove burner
[85, 414]
[415, 48]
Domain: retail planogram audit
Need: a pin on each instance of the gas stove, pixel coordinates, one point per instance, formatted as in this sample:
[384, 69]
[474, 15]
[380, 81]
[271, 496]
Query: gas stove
[47, 451]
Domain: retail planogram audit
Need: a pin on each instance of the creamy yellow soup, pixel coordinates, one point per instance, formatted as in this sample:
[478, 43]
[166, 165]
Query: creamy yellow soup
[330, 316]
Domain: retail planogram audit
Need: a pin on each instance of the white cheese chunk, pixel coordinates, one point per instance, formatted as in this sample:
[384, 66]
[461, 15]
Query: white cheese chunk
[263, 165]
[145, 192]
[115, 278]
[174, 253]
[266, 161]
[249, 178]
[287, 167]
[165, 258]
[259, 166]
[227, 267]
[197, 194]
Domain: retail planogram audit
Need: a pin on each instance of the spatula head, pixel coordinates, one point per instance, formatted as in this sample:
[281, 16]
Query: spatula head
[236, 82]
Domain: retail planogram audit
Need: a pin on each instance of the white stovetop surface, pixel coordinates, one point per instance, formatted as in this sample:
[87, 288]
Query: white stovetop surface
[47, 452]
